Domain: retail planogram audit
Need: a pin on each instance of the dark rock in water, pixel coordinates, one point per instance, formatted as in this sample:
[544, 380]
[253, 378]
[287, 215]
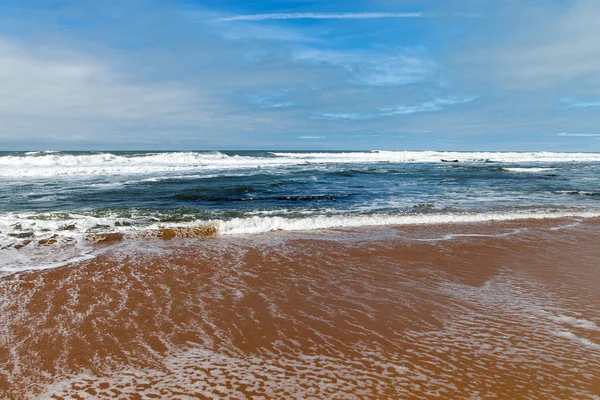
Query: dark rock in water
[443, 160]
[22, 235]
[106, 238]
[423, 206]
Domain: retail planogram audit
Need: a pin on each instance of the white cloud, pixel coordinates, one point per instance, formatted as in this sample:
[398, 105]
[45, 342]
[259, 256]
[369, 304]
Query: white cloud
[394, 67]
[578, 134]
[574, 103]
[56, 83]
[274, 100]
[547, 45]
[345, 116]
[253, 31]
[428, 106]
[312, 137]
[54, 95]
[280, 16]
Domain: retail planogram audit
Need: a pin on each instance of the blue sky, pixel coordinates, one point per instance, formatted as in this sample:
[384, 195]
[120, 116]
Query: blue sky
[370, 74]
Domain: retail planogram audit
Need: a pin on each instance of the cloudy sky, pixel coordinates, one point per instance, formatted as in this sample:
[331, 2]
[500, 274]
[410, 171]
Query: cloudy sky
[301, 74]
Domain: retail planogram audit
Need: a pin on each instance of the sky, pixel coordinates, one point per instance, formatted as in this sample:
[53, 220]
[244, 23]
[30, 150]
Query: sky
[517, 75]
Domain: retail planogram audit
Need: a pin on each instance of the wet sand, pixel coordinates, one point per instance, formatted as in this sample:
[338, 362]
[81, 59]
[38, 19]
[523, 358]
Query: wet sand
[490, 310]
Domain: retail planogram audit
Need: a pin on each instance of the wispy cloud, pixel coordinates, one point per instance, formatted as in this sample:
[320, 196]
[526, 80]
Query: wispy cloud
[394, 67]
[574, 103]
[252, 31]
[433, 105]
[345, 116]
[429, 106]
[269, 101]
[311, 137]
[578, 134]
[279, 16]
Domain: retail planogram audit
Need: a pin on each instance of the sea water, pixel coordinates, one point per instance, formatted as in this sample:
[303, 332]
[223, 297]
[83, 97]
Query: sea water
[55, 205]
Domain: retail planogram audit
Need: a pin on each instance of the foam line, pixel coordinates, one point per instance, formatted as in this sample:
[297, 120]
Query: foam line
[46, 165]
[267, 224]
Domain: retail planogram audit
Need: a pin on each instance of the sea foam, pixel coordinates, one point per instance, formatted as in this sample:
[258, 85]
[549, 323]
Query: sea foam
[45, 165]
[257, 224]
[73, 236]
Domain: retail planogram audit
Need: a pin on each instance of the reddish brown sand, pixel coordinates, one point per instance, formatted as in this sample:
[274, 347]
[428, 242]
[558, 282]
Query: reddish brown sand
[503, 310]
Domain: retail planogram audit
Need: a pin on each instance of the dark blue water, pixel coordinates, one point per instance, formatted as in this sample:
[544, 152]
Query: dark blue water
[237, 190]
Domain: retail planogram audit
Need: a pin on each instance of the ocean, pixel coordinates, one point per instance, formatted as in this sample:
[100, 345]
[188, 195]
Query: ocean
[299, 275]
[55, 205]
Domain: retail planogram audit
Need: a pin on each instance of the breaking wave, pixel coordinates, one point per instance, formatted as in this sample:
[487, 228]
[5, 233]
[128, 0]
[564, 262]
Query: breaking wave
[29, 241]
[53, 164]
[257, 224]
[528, 169]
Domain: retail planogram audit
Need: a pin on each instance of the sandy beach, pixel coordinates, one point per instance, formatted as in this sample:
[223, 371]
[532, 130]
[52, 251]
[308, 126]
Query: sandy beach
[496, 309]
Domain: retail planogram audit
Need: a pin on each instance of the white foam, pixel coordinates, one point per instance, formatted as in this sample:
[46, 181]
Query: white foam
[44, 165]
[452, 236]
[49, 243]
[88, 255]
[576, 322]
[438, 156]
[33, 153]
[266, 224]
[107, 164]
[566, 226]
[578, 340]
[69, 232]
[529, 169]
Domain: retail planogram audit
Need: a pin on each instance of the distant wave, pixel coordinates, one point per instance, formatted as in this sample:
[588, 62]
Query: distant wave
[33, 153]
[438, 156]
[44, 164]
[528, 169]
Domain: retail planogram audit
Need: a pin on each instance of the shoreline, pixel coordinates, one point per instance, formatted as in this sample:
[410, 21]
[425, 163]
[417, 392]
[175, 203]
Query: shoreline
[377, 312]
[83, 246]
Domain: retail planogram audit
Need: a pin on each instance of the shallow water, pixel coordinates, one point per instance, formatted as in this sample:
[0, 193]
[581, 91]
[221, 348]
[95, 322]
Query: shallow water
[492, 309]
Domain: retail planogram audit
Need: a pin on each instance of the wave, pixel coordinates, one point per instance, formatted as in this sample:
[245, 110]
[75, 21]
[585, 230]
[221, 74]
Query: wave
[46, 241]
[44, 164]
[574, 192]
[528, 169]
[51, 165]
[438, 156]
[33, 153]
[257, 224]
[70, 226]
